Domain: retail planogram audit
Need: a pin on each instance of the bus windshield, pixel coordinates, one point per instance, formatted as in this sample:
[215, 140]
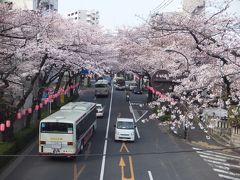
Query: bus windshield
[55, 127]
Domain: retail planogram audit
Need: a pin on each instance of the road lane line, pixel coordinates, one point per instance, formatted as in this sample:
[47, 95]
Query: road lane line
[150, 175]
[131, 168]
[141, 116]
[130, 105]
[106, 137]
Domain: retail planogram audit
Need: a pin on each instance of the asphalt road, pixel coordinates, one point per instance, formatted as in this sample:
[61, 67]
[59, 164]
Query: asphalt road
[155, 155]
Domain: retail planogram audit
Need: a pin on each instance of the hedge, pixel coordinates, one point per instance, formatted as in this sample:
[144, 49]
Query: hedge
[22, 138]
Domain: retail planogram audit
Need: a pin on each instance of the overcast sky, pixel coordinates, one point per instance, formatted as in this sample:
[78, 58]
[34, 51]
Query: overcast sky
[116, 13]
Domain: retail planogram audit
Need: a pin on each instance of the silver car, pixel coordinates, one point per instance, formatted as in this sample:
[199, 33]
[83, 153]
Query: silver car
[100, 110]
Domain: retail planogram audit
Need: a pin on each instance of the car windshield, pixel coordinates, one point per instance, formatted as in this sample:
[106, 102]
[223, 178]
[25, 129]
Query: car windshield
[101, 85]
[98, 106]
[125, 125]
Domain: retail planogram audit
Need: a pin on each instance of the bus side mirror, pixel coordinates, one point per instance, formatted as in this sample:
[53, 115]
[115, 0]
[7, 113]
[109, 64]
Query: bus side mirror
[114, 125]
[135, 126]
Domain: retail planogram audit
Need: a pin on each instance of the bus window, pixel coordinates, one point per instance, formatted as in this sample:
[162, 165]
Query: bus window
[55, 127]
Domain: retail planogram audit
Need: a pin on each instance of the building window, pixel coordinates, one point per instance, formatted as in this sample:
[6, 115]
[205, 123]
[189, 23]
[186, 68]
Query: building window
[68, 14]
[72, 14]
[75, 12]
[76, 18]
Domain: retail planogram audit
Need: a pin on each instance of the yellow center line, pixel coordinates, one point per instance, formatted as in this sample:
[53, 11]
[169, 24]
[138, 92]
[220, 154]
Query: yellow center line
[77, 173]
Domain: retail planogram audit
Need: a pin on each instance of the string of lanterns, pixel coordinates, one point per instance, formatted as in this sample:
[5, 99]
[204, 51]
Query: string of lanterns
[29, 110]
[159, 94]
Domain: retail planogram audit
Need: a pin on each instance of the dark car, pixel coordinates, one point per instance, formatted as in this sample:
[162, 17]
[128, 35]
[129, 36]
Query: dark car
[137, 90]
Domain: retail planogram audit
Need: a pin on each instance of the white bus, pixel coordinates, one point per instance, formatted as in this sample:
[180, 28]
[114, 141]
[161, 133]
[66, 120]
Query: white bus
[67, 131]
[101, 88]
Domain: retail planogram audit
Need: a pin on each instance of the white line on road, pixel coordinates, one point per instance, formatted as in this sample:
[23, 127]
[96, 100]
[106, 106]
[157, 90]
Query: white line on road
[225, 164]
[228, 177]
[217, 156]
[213, 158]
[150, 175]
[226, 155]
[106, 137]
[130, 106]
[141, 116]
[226, 172]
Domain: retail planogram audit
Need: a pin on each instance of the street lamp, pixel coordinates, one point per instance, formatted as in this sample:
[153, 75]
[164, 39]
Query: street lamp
[174, 51]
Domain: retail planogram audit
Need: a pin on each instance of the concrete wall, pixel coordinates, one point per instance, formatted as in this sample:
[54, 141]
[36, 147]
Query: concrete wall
[235, 137]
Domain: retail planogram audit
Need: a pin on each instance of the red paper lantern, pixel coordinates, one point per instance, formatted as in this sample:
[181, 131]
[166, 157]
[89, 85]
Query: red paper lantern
[62, 91]
[29, 110]
[2, 127]
[46, 101]
[41, 105]
[8, 123]
[24, 112]
[36, 107]
[19, 115]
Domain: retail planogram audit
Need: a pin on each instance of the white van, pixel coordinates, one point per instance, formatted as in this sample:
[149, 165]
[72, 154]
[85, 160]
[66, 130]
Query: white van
[125, 129]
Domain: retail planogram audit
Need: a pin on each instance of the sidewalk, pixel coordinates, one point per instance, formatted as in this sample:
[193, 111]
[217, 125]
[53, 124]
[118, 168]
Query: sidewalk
[198, 138]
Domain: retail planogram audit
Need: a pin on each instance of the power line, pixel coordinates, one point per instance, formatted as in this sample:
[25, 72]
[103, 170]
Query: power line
[163, 5]
[159, 5]
[127, 154]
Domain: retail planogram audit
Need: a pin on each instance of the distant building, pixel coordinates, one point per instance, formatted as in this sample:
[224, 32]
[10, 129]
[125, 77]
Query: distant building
[193, 7]
[90, 17]
[33, 4]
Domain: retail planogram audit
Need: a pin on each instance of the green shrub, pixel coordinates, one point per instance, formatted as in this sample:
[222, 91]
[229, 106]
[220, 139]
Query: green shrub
[25, 136]
[5, 149]
[166, 117]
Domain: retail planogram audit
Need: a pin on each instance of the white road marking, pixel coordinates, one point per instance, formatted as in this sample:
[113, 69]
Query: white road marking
[213, 158]
[219, 163]
[226, 155]
[130, 105]
[150, 175]
[106, 137]
[213, 155]
[141, 116]
[226, 172]
[228, 177]
[225, 164]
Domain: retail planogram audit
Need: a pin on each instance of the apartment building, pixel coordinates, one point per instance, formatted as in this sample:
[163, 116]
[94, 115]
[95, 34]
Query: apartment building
[90, 17]
[34, 4]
